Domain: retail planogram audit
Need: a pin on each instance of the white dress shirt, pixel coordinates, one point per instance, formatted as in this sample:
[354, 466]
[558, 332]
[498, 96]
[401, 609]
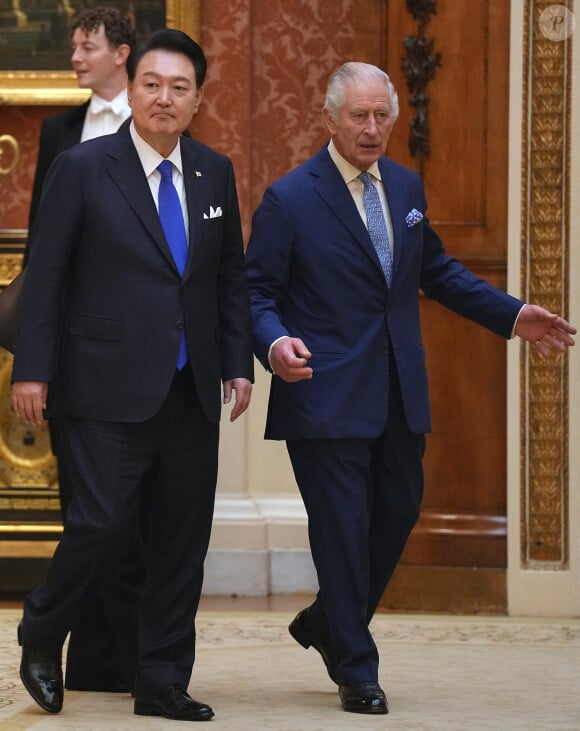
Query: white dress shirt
[103, 117]
[150, 159]
[356, 187]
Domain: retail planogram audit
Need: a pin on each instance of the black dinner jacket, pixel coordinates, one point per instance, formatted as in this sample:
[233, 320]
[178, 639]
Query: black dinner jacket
[104, 306]
[57, 133]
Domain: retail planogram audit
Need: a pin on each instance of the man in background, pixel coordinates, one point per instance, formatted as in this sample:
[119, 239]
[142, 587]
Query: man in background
[102, 39]
[102, 650]
[340, 249]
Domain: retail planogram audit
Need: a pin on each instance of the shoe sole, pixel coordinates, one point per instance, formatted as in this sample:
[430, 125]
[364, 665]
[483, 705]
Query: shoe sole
[145, 709]
[368, 712]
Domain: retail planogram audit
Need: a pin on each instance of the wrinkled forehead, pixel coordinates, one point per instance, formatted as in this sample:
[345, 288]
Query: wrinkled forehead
[366, 93]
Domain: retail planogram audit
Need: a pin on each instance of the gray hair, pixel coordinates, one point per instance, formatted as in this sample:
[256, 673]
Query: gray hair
[352, 71]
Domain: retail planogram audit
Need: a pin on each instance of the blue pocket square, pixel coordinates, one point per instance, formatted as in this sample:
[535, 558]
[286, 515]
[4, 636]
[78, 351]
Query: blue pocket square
[413, 217]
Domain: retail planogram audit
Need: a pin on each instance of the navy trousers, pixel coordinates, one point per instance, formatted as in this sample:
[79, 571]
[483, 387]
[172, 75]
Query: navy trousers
[362, 497]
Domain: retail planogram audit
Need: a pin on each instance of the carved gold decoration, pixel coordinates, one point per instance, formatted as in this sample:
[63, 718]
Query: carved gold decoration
[25, 454]
[10, 266]
[545, 252]
[60, 87]
[9, 154]
[28, 474]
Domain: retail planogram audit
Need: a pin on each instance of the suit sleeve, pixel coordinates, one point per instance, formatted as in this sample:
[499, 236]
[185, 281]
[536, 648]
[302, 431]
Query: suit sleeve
[57, 227]
[235, 328]
[445, 279]
[268, 259]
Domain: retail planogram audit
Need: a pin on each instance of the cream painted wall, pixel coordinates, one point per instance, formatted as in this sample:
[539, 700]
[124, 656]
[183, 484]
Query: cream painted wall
[248, 463]
[259, 541]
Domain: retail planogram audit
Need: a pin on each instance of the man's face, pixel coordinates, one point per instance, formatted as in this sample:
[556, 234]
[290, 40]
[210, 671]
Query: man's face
[163, 98]
[364, 123]
[94, 60]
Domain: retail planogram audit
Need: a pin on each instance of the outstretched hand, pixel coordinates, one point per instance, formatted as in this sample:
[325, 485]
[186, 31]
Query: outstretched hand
[544, 330]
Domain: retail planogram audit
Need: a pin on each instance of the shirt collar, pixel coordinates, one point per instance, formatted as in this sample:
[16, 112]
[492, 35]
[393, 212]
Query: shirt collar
[348, 171]
[119, 105]
[149, 157]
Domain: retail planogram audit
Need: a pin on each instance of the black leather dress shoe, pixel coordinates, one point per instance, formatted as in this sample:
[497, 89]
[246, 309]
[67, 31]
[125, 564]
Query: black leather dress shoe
[41, 674]
[365, 697]
[306, 637]
[172, 702]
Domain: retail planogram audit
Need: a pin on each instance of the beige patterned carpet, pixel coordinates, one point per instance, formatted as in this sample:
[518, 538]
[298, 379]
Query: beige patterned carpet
[453, 673]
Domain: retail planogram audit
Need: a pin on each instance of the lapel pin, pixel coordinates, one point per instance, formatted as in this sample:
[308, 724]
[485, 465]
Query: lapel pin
[198, 174]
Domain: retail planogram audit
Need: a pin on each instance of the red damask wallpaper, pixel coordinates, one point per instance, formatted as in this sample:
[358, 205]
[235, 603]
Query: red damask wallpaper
[23, 124]
[269, 61]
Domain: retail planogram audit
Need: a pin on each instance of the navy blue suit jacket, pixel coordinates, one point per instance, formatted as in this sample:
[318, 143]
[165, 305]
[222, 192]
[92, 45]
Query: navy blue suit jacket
[314, 274]
[104, 306]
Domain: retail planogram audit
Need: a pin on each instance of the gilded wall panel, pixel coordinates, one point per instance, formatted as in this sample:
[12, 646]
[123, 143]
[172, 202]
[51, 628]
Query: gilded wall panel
[545, 253]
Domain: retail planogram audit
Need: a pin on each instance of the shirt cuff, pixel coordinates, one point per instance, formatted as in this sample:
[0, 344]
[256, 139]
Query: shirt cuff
[516, 321]
[270, 350]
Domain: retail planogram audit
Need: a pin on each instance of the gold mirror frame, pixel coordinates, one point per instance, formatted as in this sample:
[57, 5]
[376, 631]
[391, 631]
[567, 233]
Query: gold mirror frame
[60, 87]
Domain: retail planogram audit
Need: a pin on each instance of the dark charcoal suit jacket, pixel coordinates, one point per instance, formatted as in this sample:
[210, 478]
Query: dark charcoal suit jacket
[98, 242]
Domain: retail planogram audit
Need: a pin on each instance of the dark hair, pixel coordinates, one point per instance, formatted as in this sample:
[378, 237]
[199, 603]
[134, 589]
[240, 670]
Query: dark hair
[169, 39]
[117, 25]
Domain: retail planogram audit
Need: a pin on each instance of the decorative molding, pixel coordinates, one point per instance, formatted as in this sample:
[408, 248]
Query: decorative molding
[47, 87]
[545, 250]
[419, 66]
[259, 546]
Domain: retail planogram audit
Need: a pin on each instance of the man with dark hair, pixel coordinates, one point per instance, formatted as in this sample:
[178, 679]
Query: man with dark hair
[135, 307]
[102, 647]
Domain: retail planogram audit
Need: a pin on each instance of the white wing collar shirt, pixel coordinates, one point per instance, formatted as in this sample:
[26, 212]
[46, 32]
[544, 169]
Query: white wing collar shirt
[103, 117]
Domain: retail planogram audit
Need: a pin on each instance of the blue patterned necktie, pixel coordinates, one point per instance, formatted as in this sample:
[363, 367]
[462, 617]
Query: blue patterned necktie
[171, 217]
[377, 226]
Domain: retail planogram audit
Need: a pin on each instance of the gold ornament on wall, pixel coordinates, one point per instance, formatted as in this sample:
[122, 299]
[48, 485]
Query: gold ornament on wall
[9, 154]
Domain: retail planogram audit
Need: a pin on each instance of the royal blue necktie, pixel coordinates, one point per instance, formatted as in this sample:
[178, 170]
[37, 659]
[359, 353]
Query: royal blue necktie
[171, 217]
[377, 226]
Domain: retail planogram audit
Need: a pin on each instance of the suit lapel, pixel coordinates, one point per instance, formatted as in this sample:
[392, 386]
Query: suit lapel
[331, 187]
[72, 128]
[195, 180]
[397, 208]
[396, 205]
[126, 171]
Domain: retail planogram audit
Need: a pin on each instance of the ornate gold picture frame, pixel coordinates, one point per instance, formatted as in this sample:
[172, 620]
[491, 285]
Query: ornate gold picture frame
[45, 87]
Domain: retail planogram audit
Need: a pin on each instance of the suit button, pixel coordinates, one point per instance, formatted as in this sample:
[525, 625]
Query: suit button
[179, 324]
